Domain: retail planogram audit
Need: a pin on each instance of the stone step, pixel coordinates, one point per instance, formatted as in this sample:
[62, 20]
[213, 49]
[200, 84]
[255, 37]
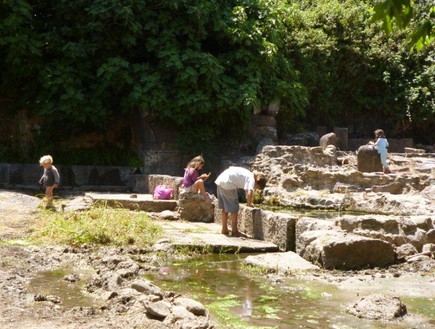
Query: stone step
[207, 237]
[143, 202]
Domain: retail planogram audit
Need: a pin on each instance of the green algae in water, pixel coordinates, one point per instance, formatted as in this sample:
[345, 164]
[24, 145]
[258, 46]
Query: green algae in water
[238, 299]
[423, 306]
[234, 300]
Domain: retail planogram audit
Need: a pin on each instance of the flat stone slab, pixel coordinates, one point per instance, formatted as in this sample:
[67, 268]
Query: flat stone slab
[134, 201]
[195, 235]
[207, 236]
[283, 262]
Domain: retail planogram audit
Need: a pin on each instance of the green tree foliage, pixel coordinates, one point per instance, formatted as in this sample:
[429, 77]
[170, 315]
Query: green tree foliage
[200, 66]
[355, 75]
[402, 12]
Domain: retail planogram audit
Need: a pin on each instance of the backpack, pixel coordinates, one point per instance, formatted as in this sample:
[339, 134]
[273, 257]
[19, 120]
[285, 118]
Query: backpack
[163, 192]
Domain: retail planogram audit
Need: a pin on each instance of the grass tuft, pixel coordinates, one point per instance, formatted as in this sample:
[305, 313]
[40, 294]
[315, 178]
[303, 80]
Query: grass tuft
[100, 225]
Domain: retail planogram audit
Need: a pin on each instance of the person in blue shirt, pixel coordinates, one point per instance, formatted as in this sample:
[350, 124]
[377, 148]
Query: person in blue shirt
[381, 145]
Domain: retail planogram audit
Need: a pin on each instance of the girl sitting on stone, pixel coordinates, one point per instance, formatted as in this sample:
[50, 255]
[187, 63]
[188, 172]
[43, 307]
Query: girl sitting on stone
[192, 181]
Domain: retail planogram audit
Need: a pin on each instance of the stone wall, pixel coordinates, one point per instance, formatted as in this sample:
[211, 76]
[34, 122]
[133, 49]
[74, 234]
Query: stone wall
[278, 228]
[110, 178]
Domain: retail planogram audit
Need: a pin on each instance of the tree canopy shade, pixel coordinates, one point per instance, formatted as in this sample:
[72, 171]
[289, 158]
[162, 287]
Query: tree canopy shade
[202, 66]
[198, 65]
[402, 12]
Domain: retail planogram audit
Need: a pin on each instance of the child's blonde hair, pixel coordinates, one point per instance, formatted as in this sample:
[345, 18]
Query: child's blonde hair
[46, 159]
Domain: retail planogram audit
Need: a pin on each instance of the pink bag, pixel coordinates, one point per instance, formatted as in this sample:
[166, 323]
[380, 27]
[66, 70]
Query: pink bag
[163, 192]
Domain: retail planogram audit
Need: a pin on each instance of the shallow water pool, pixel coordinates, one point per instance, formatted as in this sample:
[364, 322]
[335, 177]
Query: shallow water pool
[241, 298]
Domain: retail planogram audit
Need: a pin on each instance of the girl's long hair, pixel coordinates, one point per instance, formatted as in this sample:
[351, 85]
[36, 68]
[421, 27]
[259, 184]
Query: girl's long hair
[196, 160]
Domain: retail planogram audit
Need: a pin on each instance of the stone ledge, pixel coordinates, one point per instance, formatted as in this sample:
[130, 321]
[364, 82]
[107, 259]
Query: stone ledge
[143, 202]
[277, 228]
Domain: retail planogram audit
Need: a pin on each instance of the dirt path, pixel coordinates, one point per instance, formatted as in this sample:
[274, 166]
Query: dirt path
[22, 308]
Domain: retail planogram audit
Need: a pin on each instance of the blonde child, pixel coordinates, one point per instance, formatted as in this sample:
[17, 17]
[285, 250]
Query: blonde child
[192, 181]
[50, 178]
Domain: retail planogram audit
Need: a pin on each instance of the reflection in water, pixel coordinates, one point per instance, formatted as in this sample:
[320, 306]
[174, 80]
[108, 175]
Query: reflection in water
[247, 303]
[239, 299]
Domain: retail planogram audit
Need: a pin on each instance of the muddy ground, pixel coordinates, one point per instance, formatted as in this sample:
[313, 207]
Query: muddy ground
[22, 306]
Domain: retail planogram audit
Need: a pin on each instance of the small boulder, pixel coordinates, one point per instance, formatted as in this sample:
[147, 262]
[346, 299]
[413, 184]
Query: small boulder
[405, 250]
[338, 250]
[158, 310]
[191, 305]
[328, 139]
[169, 215]
[192, 208]
[146, 287]
[378, 307]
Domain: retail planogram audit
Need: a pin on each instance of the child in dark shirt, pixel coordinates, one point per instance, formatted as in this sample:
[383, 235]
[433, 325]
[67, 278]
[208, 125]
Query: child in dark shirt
[50, 178]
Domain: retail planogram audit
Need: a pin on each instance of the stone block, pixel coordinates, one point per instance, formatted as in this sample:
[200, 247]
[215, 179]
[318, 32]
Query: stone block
[338, 250]
[368, 159]
[277, 228]
[384, 224]
[193, 208]
[171, 181]
[247, 218]
[306, 224]
[282, 262]
[149, 205]
[342, 138]
[139, 183]
[328, 139]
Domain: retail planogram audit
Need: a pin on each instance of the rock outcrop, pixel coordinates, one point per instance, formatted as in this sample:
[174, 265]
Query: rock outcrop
[339, 250]
[312, 177]
[328, 139]
[191, 207]
[378, 307]
[118, 282]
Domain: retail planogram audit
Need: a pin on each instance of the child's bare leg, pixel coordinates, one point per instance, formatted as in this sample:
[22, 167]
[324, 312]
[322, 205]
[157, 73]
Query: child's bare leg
[199, 185]
[49, 195]
[234, 229]
[224, 222]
